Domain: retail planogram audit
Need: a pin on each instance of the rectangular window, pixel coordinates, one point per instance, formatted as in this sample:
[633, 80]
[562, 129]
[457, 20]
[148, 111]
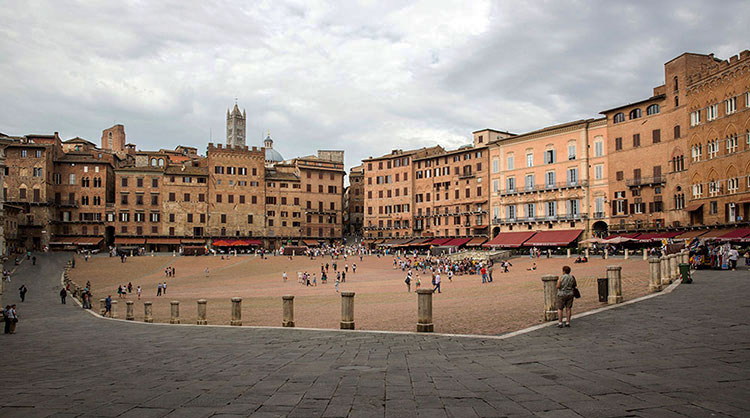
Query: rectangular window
[549, 179]
[598, 148]
[72, 179]
[511, 184]
[636, 140]
[599, 171]
[572, 176]
[656, 136]
[510, 162]
[529, 182]
[731, 105]
[549, 156]
[712, 112]
[619, 175]
[571, 151]
[495, 165]
[123, 182]
[529, 160]
[618, 143]
[695, 118]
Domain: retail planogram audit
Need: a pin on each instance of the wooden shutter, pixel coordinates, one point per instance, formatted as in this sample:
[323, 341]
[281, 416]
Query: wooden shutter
[657, 171]
[625, 207]
[657, 135]
[614, 207]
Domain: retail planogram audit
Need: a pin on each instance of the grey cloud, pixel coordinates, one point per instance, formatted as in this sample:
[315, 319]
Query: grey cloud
[366, 77]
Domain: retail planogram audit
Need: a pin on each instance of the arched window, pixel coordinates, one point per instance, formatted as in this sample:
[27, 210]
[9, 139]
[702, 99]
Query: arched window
[153, 162]
[619, 117]
[635, 114]
[653, 109]
[161, 162]
[675, 83]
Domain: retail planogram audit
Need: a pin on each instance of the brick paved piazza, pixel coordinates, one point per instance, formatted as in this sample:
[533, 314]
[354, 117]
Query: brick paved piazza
[681, 354]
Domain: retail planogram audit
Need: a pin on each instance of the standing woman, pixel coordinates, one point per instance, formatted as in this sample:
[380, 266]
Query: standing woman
[565, 291]
[13, 318]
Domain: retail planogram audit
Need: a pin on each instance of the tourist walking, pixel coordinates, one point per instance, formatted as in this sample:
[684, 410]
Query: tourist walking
[33, 260]
[343, 277]
[6, 318]
[138, 292]
[22, 292]
[354, 268]
[108, 305]
[164, 288]
[408, 281]
[489, 273]
[483, 271]
[337, 285]
[566, 286]
[12, 318]
[130, 287]
[63, 295]
[158, 289]
[436, 281]
[283, 276]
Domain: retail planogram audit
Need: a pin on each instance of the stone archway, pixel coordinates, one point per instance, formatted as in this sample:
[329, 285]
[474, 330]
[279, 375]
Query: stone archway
[599, 229]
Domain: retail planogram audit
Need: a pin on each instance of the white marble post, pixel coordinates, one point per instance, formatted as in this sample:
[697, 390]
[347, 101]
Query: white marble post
[236, 312]
[147, 312]
[424, 311]
[347, 310]
[129, 315]
[614, 277]
[202, 312]
[174, 317]
[654, 283]
[549, 282]
[287, 311]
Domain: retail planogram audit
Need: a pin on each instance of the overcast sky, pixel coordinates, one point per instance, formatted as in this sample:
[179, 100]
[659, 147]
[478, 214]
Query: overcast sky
[364, 77]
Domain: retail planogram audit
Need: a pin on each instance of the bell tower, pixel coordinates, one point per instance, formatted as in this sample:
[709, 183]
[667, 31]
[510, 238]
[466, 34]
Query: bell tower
[235, 127]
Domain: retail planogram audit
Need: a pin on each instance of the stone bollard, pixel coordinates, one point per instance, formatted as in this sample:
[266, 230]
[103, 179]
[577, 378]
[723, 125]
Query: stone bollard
[685, 257]
[664, 268]
[174, 312]
[129, 315]
[147, 312]
[236, 312]
[202, 312]
[606, 253]
[614, 279]
[347, 310]
[424, 311]
[586, 251]
[550, 297]
[568, 252]
[654, 282]
[645, 255]
[113, 314]
[102, 309]
[287, 319]
[674, 271]
[627, 254]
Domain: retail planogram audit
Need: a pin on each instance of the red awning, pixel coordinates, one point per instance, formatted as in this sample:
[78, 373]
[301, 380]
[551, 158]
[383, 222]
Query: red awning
[716, 233]
[130, 241]
[553, 238]
[693, 207]
[691, 234]
[736, 235]
[631, 235]
[510, 239]
[476, 242]
[253, 242]
[165, 241]
[439, 241]
[457, 242]
[657, 236]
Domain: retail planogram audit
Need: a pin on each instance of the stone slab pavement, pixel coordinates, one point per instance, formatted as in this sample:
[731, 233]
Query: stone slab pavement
[684, 354]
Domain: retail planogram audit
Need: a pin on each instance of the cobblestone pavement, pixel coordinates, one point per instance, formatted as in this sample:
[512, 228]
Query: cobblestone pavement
[682, 354]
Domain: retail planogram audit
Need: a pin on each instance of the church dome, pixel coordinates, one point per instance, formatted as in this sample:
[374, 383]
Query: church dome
[271, 154]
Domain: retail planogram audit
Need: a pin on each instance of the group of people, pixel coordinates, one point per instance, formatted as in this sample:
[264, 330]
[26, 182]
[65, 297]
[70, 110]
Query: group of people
[170, 271]
[10, 318]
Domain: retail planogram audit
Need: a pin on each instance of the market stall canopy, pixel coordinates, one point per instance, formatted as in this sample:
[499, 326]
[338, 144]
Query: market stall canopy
[691, 234]
[630, 235]
[554, 238]
[510, 239]
[311, 242]
[738, 234]
[457, 242]
[130, 241]
[439, 241]
[657, 236]
[715, 233]
[476, 242]
[165, 241]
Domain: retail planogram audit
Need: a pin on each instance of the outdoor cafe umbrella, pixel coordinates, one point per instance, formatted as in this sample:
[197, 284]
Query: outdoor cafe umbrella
[618, 240]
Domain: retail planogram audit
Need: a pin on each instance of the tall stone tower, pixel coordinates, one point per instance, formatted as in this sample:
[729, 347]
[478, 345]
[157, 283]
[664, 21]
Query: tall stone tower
[114, 138]
[235, 127]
